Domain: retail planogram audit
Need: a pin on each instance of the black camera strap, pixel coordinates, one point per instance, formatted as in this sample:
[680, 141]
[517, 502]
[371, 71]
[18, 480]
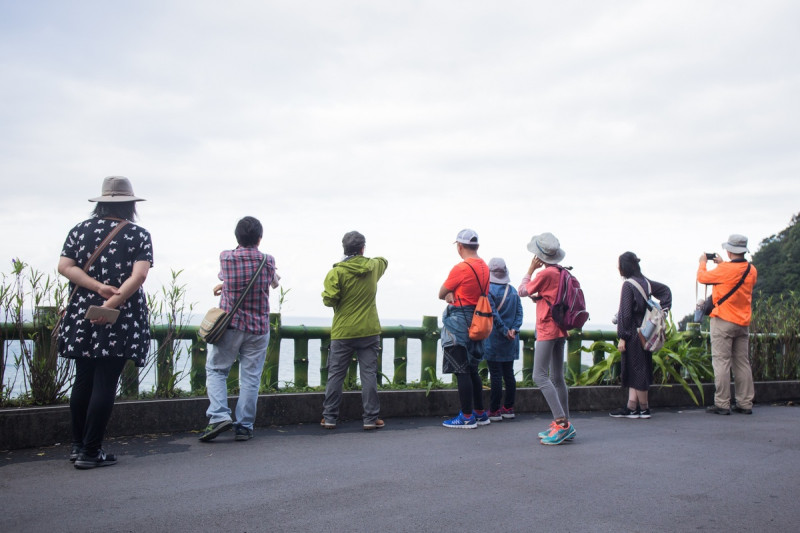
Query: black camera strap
[735, 287]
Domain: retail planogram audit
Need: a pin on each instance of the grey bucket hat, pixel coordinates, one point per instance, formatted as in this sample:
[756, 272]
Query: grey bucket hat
[737, 244]
[116, 189]
[498, 272]
[547, 248]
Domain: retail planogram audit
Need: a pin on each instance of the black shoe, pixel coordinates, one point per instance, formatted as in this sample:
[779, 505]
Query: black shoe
[212, 430]
[743, 411]
[242, 433]
[85, 462]
[74, 452]
[644, 413]
[624, 412]
[714, 410]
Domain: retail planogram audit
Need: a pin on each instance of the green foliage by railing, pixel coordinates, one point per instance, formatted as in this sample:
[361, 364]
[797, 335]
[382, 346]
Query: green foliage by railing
[681, 360]
[45, 377]
[775, 351]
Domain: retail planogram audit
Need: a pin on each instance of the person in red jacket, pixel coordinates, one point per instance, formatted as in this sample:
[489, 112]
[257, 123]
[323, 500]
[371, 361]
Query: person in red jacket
[730, 325]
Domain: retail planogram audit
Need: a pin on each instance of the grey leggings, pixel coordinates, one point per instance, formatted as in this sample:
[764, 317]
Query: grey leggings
[550, 355]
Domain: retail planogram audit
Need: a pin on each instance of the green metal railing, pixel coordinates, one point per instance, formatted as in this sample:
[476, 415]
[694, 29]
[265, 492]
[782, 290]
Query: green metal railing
[166, 344]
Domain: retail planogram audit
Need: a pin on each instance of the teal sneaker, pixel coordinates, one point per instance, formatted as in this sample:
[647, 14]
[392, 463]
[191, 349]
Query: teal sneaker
[461, 421]
[558, 436]
[555, 427]
[482, 419]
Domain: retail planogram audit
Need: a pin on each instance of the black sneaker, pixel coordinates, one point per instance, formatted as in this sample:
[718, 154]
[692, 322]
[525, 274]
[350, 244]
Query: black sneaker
[242, 433]
[624, 412]
[212, 430]
[743, 411]
[714, 410]
[85, 461]
[74, 452]
[644, 413]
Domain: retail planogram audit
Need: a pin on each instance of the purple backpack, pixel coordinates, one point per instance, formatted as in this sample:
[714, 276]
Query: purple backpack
[569, 309]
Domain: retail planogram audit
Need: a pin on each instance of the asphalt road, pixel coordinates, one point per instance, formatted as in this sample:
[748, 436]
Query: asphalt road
[678, 471]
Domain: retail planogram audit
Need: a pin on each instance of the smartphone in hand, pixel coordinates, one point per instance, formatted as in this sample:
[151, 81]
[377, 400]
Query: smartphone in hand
[95, 311]
[710, 256]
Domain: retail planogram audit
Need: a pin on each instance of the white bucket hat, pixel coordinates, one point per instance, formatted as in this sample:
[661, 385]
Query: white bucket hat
[737, 244]
[547, 248]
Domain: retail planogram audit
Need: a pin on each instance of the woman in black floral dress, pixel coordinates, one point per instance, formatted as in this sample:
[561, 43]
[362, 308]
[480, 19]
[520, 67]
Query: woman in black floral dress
[114, 280]
[637, 363]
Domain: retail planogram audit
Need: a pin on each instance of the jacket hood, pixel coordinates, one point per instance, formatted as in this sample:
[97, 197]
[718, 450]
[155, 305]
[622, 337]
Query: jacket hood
[358, 265]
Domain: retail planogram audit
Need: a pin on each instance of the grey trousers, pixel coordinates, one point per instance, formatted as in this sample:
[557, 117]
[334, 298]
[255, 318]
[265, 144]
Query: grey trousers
[339, 357]
[548, 374]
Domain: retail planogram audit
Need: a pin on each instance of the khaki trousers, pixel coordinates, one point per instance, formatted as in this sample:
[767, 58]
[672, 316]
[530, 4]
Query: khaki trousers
[730, 350]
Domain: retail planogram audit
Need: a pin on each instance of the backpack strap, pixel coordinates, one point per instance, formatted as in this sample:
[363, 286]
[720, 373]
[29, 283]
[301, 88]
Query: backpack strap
[483, 291]
[640, 288]
[735, 287]
[500, 306]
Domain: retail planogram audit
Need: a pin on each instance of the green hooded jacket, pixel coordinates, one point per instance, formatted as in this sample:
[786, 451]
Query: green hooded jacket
[350, 288]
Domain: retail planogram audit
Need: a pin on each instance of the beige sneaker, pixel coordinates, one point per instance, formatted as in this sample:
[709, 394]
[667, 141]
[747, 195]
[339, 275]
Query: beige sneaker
[378, 424]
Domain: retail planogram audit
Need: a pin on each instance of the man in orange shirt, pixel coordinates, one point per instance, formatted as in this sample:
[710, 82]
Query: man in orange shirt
[461, 290]
[732, 295]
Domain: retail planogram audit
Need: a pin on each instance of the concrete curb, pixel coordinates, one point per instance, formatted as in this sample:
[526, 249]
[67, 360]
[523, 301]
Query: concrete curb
[44, 426]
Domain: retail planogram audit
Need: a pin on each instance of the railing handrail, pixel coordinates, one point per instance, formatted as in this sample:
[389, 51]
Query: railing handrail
[428, 333]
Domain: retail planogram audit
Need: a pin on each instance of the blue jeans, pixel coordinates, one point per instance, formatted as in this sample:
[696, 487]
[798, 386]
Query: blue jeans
[251, 350]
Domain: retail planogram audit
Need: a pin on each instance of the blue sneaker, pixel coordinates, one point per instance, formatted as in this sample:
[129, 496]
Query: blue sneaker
[482, 419]
[560, 435]
[461, 422]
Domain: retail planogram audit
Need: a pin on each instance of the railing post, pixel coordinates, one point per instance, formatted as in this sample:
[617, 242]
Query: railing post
[324, 348]
[301, 362]
[269, 378]
[400, 360]
[379, 376]
[197, 374]
[429, 340]
[528, 348]
[45, 360]
[574, 352]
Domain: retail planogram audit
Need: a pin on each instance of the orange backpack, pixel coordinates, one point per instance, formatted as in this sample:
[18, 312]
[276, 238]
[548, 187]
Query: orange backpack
[482, 319]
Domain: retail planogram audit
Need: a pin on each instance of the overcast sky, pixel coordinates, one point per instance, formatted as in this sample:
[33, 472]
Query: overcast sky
[655, 127]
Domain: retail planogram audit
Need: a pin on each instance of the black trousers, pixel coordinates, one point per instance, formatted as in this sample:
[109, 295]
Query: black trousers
[470, 391]
[500, 371]
[92, 400]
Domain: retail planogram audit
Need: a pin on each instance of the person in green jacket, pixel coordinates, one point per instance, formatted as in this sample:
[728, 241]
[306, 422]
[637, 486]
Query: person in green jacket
[350, 289]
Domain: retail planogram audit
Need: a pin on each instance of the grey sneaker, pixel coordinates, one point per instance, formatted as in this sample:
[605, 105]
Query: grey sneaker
[242, 433]
[85, 461]
[212, 430]
[714, 410]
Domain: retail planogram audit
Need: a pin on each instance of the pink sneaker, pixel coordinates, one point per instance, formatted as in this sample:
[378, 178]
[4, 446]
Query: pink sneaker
[495, 416]
[507, 413]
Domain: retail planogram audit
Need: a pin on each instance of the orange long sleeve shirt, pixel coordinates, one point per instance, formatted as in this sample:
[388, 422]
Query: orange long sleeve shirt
[738, 307]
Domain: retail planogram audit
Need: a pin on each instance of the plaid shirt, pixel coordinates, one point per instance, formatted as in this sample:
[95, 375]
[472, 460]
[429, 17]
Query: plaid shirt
[236, 268]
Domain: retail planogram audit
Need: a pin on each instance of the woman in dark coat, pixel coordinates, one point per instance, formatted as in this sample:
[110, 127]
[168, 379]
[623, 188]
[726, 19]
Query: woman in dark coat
[637, 363]
[113, 281]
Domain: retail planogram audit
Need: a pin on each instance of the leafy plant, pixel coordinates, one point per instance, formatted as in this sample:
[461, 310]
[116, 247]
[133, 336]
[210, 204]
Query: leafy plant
[169, 313]
[46, 377]
[775, 339]
[681, 360]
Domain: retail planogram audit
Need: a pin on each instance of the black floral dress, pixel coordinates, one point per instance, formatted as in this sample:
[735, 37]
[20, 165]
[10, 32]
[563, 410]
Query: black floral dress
[637, 363]
[129, 336]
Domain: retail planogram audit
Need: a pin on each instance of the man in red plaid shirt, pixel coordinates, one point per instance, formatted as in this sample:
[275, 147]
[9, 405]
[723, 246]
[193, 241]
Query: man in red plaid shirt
[248, 334]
